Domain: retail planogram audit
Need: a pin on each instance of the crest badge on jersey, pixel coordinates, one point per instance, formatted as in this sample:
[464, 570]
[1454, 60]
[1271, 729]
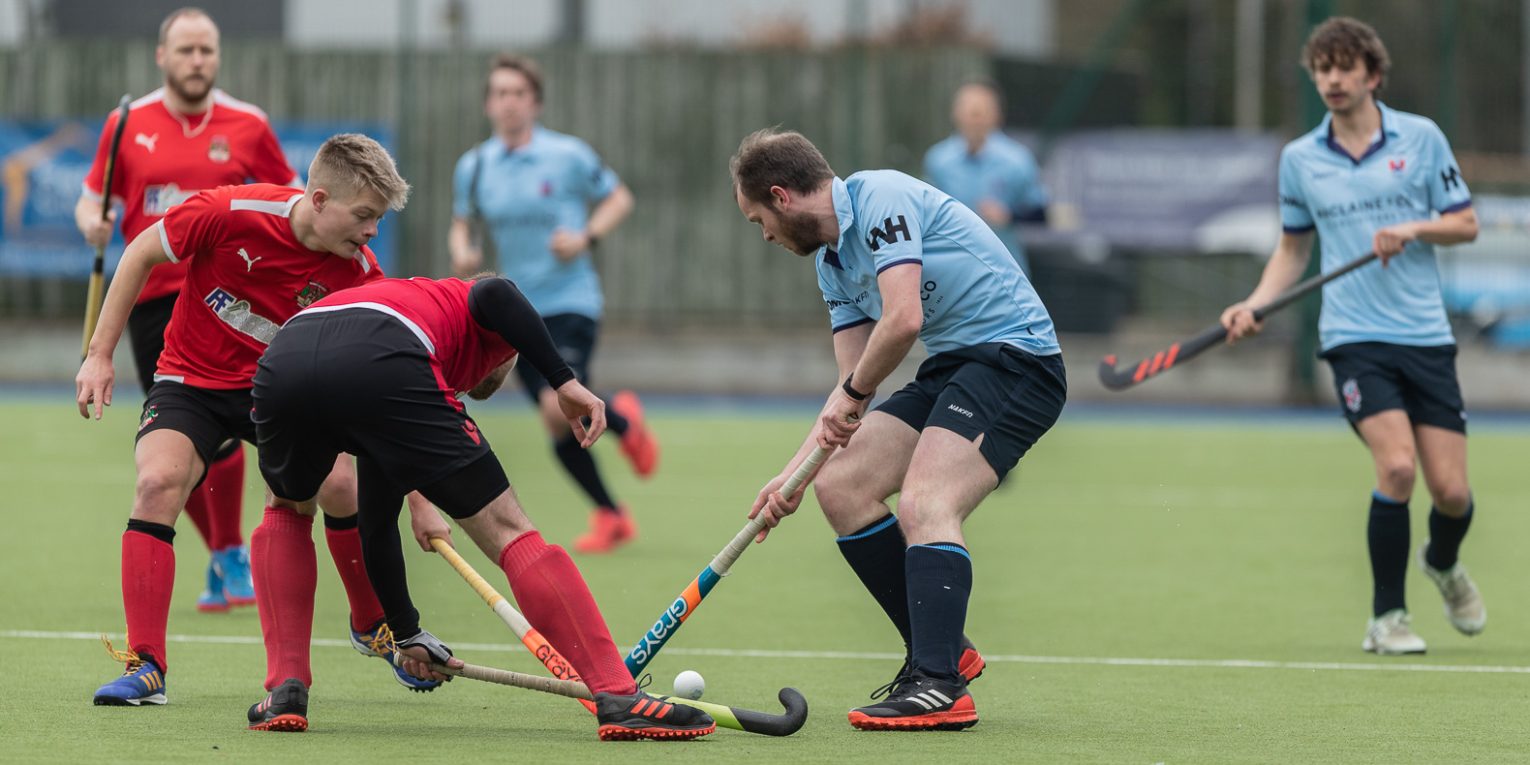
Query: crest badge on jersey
[1351, 391]
[547, 188]
[217, 149]
[1397, 164]
[311, 294]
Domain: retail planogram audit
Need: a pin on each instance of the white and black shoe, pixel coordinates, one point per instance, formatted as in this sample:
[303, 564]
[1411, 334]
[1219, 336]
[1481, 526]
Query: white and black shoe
[916, 701]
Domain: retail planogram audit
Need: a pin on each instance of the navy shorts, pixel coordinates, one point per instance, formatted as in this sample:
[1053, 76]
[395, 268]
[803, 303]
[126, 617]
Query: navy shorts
[1376, 377]
[210, 418]
[996, 390]
[574, 336]
[358, 381]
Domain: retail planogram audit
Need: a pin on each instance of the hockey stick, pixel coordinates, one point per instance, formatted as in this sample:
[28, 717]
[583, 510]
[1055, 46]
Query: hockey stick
[98, 268]
[685, 605]
[747, 720]
[1184, 350]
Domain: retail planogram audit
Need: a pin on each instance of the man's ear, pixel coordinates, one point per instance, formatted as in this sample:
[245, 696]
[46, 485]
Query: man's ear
[780, 196]
[320, 198]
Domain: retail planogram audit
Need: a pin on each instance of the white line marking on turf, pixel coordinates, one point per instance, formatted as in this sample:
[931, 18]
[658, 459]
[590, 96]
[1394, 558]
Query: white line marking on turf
[762, 653]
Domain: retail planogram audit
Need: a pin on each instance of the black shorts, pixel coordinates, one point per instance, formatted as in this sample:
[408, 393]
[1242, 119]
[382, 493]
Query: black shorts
[359, 381]
[996, 390]
[210, 418]
[1376, 377]
[146, 326]
[574, 335]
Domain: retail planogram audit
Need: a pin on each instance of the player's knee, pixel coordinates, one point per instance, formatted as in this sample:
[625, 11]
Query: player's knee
[338, 495]
[161, 490]
[1396, 474]
[836, 489]
[1452, 499]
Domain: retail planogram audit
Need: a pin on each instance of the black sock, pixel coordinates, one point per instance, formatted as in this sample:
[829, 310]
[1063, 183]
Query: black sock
[616, 423]
[1445, 535]
[939, 583]
[581, 465]
[1387, 534]
[876, 554]
[159, 531]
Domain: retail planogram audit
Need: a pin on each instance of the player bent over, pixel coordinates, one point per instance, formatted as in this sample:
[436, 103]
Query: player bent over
[900, 260]
[377, 371]
[256, 254]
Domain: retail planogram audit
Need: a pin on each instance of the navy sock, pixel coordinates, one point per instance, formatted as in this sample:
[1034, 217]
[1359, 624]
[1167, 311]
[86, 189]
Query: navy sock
[581, 465]
[1445, 535]
[1387, 535]
[876, 554]
[616, 423]
[939, 583]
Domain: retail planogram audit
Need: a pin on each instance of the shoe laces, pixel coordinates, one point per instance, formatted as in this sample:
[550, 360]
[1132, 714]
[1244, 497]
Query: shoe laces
[380, 640]
[905, 675]
[644, 681]
[129, 657]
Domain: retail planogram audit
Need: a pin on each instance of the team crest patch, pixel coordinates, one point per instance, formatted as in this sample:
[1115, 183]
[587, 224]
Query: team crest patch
[1351, 390]
[217, 149]
[1397, 164]
[149, 416]
[311, 294]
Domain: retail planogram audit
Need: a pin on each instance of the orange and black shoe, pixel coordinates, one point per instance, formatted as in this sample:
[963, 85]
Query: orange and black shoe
[284, 709]
[638, 444]
[638, 716]
[608, 530]
[971, 663]
[918, 702]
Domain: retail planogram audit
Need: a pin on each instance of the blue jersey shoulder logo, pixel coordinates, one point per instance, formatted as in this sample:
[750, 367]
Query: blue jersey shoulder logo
[888, 233]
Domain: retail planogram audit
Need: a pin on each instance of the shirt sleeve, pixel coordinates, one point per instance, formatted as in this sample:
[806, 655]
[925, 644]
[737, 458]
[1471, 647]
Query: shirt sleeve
[497, 305]
[844, 311]
[1447, 189]
[194, 225]
[888, 220]
[1295, 216]
[97, 174]
[269, 165]
[462, 179]
[593, 176]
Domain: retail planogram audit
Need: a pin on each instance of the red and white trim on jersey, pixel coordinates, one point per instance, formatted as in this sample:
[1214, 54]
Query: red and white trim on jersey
[380, 308]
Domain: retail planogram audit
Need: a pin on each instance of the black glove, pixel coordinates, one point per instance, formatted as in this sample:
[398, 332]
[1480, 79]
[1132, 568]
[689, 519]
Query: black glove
[438, 651]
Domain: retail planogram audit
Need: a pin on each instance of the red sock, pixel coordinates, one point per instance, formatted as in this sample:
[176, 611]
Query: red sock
[224, 489]
[196, 510]
[285, 572]
[148, 577]
[345, 548]
[555, 599]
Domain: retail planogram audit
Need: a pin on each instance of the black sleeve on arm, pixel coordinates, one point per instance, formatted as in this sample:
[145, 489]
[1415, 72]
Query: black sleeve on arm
[379, 503]
[498, 305]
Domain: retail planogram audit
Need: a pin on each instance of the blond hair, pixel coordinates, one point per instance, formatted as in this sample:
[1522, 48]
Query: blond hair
[191, 12]
[350, 162]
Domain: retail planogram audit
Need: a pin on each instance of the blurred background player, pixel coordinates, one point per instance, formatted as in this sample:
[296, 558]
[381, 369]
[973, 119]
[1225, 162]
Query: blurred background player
[257, 254]
[1370, 178]
[900, 261]
[986, 170]
[543, 200]
[379, 371]
[182, 138]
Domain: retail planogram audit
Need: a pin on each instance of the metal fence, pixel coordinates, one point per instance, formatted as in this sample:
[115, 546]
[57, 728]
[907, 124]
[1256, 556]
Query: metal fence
[665, 121]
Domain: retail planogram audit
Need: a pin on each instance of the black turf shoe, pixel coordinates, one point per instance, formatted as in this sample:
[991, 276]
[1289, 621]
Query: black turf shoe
[284, 709]
[638, 715]
[916, 701]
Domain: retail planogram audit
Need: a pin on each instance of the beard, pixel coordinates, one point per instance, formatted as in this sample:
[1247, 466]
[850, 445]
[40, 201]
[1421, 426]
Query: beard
[799, 234]
[191, 88]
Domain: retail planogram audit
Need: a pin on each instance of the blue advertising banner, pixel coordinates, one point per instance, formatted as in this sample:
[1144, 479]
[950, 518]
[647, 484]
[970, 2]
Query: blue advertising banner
[1169, 190]
[42, 167]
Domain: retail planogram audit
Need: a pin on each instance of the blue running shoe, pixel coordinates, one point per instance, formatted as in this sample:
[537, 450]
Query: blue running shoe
[233, 564]
[142, 683]
[378, 642]
[212, 599]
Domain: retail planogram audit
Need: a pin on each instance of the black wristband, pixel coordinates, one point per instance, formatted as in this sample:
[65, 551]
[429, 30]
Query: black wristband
[592, 239]
[854, 394]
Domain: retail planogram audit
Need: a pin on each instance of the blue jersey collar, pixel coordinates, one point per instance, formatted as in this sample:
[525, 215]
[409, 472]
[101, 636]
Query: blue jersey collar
[1388, 130]
[844, 212]
[496, 149]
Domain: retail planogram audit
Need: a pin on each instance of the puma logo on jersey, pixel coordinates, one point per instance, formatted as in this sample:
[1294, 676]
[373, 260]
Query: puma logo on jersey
[249, 263]
[146, 141]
